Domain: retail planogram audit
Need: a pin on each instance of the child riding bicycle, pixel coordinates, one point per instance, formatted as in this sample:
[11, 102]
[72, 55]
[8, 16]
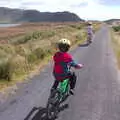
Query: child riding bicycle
[62, 60]
[89, 32]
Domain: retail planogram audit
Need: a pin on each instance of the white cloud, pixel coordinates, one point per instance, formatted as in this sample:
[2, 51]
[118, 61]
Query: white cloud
[86, 9]
[110, 2]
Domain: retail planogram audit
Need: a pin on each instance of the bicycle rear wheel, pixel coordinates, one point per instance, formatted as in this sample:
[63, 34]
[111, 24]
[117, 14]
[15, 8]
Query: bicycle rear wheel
[52, 112]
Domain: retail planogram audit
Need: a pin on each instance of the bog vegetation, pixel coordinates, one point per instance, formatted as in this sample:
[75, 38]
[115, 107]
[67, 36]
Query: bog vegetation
[24, 47]
[116, 42]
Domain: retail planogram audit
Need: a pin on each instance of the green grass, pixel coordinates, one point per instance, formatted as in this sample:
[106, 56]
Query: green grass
[116, 28]
[116, 45]
[34, 36]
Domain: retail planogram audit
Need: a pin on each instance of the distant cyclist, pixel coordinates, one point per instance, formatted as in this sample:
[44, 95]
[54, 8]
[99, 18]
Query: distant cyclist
[89, 32]
[62, 60]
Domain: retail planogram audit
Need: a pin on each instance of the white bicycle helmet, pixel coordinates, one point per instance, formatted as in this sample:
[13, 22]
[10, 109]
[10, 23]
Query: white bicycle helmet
[64, 45]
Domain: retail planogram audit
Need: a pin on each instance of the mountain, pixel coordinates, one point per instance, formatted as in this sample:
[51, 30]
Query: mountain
[112, 21]
[8, 15]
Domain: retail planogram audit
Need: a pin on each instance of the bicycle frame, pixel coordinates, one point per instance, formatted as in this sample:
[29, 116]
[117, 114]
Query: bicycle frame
[63, 86]
[59, 96]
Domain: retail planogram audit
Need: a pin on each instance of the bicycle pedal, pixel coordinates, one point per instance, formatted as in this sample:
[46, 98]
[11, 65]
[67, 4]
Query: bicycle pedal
[71, 92]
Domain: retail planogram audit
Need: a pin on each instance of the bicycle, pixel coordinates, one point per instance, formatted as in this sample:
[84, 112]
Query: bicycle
[57, 97]
[89, 38]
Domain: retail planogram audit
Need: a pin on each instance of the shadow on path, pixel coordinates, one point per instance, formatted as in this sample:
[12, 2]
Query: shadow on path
[40, 113]
[83, 45]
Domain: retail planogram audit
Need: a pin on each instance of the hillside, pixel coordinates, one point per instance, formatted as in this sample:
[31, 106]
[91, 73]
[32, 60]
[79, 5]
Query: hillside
[8, 15]
[111, 21]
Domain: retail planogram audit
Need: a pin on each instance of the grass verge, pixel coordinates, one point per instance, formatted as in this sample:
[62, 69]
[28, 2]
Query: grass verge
[115, 33]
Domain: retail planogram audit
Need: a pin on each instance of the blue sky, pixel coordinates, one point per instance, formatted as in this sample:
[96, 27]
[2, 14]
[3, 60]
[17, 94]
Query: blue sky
[86, 9]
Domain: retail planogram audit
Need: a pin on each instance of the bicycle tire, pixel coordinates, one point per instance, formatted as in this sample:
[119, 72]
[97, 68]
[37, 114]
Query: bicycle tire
[53, 105]
[51, 111]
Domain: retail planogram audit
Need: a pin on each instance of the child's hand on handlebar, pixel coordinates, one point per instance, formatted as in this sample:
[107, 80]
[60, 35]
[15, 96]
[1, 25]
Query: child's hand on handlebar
[79, 66]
